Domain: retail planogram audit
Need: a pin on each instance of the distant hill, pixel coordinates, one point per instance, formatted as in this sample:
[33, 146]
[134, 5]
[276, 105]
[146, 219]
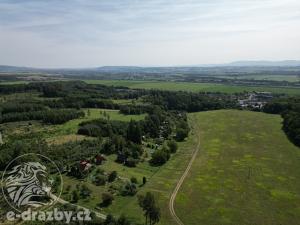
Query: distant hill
[285, 63]
[234, 67]
[12, 69]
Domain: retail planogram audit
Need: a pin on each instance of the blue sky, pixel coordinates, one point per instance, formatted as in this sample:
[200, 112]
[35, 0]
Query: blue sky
[87, 33]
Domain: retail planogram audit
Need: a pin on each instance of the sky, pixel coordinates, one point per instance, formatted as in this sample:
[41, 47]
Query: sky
[91, 33]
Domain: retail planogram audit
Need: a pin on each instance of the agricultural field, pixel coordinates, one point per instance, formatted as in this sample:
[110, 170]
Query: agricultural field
[193, 87]
[289, 78]
[246, 172]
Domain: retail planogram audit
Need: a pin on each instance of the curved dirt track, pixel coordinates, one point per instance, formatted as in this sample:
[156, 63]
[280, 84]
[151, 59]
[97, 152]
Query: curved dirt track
[179, 183]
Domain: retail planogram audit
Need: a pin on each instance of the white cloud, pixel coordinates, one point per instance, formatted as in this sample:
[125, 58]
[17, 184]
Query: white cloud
[140, 32]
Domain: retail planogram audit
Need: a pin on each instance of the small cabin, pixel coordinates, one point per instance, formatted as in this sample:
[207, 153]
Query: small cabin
[85, 165]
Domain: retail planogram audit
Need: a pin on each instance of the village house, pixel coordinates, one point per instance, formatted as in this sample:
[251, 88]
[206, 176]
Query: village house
[255, 100]
[85, 165]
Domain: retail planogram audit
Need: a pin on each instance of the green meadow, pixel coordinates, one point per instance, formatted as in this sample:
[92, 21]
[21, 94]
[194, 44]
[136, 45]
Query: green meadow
[160, 181]
[58, 134]
[193, 87]
[198, 87]
[246, 172]
[289, 78]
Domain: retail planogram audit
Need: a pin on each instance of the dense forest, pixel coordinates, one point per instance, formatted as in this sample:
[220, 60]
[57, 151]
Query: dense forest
[76, 95]
[59, 102]
[289, 108]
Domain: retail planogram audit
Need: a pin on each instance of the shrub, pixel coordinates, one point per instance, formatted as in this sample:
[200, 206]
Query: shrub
[112, 176]
[129, 189]
[181, 134]
[172, 146]
[85, 191]
[144, 180]
[160, 156]
[133, 180]
[107, 199]
[131, 162]
[99, 180]
[90, 130]
[74, 196]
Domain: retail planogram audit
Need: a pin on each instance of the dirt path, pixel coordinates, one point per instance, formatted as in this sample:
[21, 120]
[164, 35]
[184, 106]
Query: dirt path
[180, 182]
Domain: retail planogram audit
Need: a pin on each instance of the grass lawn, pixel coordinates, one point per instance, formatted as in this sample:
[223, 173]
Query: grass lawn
[124, 101]
[92, 201]
[68, 131]
[194, 87]
[58, 134]
[247, 172]
[71, 126]
[141, 170]
[120, 202]
[160, 181]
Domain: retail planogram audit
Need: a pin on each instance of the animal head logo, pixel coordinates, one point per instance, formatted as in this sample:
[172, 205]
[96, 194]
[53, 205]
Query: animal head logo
[29, 185]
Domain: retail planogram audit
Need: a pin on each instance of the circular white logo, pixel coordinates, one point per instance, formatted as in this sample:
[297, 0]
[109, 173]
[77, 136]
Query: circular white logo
[31, 181]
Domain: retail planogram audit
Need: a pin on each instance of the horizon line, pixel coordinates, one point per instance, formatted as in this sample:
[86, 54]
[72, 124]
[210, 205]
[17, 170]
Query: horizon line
[155, 66]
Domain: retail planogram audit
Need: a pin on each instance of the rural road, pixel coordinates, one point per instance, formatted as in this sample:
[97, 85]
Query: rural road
[179, 183]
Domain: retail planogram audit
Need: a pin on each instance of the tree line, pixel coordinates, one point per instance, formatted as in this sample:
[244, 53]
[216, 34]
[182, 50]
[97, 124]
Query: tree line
[289, 109]
[50, 116]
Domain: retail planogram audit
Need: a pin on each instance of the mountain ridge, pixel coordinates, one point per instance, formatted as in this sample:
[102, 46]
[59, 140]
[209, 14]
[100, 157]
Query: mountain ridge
[107, 69]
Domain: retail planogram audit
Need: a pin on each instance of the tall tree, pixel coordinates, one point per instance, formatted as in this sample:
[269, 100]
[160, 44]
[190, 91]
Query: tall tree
[134, 133]
[151, 211]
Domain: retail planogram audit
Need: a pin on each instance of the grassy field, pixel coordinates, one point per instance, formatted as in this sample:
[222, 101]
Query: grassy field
[13, 82]
[90, 114]
[289, 78]
[194, 87]
[67, 131]
[161, 182]
[119, 205]
[247, 172]
[197, 87]
[19, 97]
[58, 134]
